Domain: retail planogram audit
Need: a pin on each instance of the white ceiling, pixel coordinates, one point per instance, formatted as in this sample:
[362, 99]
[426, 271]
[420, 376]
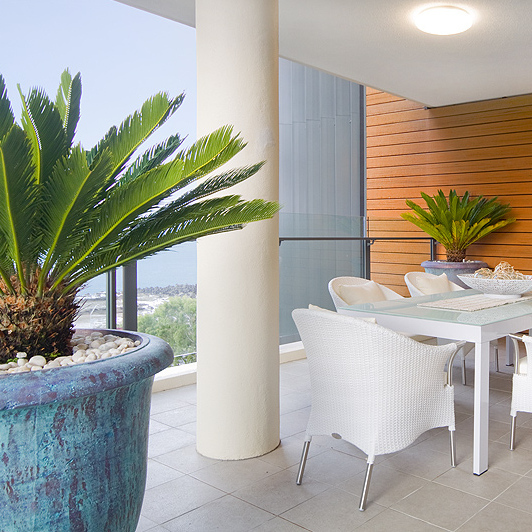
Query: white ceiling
[375, 43]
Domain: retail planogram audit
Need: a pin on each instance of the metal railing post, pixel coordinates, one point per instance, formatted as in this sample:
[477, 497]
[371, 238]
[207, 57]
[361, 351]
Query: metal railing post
[129, 296]
[110, 300]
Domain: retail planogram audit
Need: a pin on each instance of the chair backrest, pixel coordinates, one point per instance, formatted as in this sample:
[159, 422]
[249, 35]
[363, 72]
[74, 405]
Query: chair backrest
[336, 284]
[373, 386]
[417, 283]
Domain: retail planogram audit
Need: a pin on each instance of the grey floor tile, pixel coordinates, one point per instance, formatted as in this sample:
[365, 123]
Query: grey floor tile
[289, 452]
[387, 486]
[155, 426]
[278, 493]
[278, 524]
[489, 485]
[167, 441]
[333, 510]
[160, 474]
[294, 422]
[231, 475]
[170, 500]
[177, 416]
[441, 506]
[332, 467]
[518, 496]
[496, 518]
[291, 402]
[226, 514]
[390, 520]
[517, 461]
[186, 459]
[421, 462]
[145, 524]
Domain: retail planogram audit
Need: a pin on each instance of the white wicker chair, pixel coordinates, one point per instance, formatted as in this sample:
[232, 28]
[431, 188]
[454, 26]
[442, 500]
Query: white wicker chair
[522, 382]
[388, 294]
[415, 288]
[334, 289]
[376, 388]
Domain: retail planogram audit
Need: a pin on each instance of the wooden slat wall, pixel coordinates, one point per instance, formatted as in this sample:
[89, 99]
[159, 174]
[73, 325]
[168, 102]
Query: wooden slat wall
[484, 147]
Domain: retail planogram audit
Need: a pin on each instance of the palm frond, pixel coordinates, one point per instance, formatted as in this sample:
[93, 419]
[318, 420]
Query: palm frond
[153, 157]
[68, 204]
[122, 142]
[121, 207]
[211, 216]
[67, 101]
[43, 126]
[214, 185]
[7, 118]
[17, 200]
[210, 152]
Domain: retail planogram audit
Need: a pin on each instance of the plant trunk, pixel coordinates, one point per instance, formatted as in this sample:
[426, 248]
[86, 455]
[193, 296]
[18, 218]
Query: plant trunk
[36, 325]
[455, 255]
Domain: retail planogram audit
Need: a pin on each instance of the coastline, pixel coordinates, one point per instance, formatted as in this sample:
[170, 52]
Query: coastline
[92, 313]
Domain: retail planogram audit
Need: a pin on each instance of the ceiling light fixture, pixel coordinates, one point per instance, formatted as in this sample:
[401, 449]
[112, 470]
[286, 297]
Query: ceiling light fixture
[443, 20]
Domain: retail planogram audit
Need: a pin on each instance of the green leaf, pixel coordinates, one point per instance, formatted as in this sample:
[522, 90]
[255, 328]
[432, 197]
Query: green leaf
[68, 101]
[44, 128]
[17, 201]
[7, 118]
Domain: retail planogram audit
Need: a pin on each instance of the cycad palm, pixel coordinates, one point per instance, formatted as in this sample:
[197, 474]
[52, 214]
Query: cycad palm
[68, 215]
[458, 222]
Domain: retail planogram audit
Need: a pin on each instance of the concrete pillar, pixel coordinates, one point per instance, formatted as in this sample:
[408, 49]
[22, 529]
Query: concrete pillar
[238, 279]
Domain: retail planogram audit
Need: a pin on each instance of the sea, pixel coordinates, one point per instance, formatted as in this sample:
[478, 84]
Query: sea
[178, 265]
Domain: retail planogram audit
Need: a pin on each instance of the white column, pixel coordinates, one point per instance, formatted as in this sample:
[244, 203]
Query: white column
[238, 272]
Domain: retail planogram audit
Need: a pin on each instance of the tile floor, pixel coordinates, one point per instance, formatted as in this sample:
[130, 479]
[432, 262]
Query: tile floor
[413, 490]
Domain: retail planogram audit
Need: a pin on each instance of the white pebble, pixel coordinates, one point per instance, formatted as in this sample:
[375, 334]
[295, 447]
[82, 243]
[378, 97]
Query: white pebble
[96, 334]
[96, 344]
[52, 364]
[106, 355]
[4, 366]
[91, 357]
[37, 360]
[36, 368]
[78, 355]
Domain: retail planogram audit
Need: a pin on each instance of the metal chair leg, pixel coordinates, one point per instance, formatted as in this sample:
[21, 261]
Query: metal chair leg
[512, 434]
[496, 351]
[302, 462]
[453, 448]
[463, 369]
[365, 489]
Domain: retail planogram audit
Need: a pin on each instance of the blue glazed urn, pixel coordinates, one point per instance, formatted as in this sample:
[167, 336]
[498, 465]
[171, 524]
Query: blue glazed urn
[74, 440]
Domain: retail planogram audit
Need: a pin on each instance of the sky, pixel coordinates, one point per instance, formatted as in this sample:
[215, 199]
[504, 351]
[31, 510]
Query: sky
[125, 55]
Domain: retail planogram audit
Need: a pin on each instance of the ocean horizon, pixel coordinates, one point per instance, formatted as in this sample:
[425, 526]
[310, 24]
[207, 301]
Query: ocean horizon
[177, 265]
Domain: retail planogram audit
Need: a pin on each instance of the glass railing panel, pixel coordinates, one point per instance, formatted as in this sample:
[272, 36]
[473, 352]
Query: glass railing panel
[316, 251]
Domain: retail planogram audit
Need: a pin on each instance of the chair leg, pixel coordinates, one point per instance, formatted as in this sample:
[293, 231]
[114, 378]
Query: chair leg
[453, 448]
[302, 463]
[365, 489]
[496, 351]
[463, 369]
[512, 434]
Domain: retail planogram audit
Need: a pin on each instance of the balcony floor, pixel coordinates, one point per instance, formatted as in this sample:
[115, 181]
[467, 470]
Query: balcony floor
[413, 490]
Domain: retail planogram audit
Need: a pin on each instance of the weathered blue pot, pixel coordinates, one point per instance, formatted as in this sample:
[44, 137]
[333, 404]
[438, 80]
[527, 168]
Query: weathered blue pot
[73, 442]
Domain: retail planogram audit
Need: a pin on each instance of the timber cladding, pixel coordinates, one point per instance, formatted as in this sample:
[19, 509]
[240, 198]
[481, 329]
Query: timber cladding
[484, 147]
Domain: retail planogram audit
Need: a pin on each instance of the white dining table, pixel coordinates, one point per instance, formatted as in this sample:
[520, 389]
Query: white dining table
[479, 327]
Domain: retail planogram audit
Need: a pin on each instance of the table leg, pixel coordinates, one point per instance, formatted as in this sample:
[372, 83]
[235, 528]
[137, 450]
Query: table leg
[481, 416]
[509, 352]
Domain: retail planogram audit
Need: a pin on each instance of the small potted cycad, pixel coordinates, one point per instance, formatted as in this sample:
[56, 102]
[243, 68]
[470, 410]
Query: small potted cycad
[456, 223]
[73, 439]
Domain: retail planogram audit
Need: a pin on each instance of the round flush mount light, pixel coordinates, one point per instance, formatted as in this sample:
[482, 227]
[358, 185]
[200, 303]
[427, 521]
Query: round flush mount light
[443, 20]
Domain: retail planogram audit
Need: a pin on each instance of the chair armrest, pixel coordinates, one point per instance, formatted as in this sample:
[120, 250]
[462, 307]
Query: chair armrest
[516, 338]
[459, 345]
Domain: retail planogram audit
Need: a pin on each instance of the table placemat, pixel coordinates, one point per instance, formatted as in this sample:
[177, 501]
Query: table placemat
[471, 303]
